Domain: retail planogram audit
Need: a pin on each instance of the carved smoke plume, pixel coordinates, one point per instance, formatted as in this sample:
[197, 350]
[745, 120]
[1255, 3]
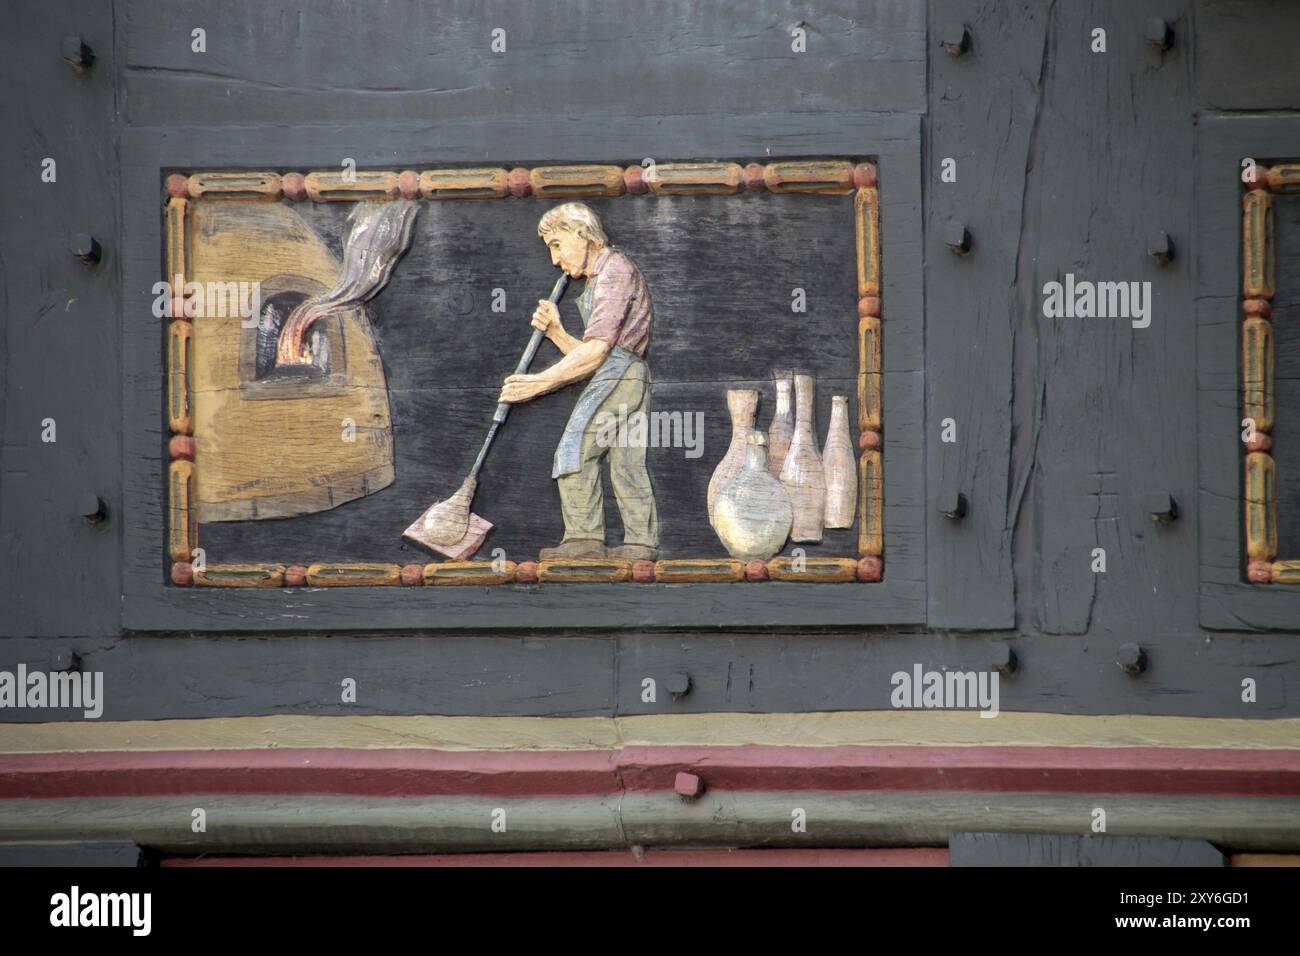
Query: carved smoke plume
[379, 235]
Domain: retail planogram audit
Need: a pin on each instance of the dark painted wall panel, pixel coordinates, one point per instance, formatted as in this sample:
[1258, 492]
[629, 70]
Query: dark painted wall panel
[59, 349]
[1245, 53]
[1067, 161]
[1118, 416]
[345, 62]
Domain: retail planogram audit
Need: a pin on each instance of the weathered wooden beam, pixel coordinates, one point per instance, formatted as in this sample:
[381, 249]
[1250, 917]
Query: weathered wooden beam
[1261, 507]
[476, 183]
[558, 182]
[240, 575]
[355, 186]
[1258, 245]
[687, 571]
[353, 574]
[234, 186]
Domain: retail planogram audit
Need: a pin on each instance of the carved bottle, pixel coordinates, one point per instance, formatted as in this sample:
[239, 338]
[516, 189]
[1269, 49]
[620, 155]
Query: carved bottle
[781, 430]
[802, 473]
[742, 405]
[840, 467]
[752, 513]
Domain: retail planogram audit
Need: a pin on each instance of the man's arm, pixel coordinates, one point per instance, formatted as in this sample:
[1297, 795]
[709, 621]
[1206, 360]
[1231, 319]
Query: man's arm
[581, 363]
[547, 319]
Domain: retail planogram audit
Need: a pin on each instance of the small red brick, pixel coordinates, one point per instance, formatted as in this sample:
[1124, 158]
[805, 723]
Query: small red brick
[870, 568]
[178, 186]
[864, 175]
[181, 447]
[634, 180]
[1261, 442]
[295, 576]
[526, 572]
[1259, 572]
[412, 575]
[643, 572]
[183, 573]
[521, 187]
[869, 307]
[869, 441]
[753, 174]
[688, 784]
[756, 571]
[294, 186]
[1260, 307]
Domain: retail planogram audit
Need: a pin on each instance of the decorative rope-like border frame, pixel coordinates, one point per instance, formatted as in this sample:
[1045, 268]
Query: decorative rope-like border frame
[1259, 254]
[807, 177]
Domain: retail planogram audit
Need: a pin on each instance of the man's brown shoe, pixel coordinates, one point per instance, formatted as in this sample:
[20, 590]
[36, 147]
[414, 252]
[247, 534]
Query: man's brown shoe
[578, 549]
[633, 552]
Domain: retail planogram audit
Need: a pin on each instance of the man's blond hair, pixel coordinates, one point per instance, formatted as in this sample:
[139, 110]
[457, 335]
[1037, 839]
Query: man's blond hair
[576, 217]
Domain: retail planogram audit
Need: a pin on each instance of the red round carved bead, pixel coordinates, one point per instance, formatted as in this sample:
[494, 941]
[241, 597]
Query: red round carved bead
[178, 186]
[869, 307]
[634, 180]
[408, 183]
[753, 174]
[1261, 179]
[643, 572]
[183, 573]
[869, 441]
[1261, 442]
[412, 575]
[864, 175]
[295, 576]
[294, 186]
[526, 572]
[756, 571]
[870, 568]
[182, 447]
[178, 307]
[520, 186]
[1260, 307]
[1259, 572]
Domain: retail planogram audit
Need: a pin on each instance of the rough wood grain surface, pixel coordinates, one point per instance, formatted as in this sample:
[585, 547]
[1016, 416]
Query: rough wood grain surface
[1043, 171]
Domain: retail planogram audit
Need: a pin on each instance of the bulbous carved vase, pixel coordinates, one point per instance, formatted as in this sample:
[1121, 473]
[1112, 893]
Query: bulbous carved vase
[751, 513]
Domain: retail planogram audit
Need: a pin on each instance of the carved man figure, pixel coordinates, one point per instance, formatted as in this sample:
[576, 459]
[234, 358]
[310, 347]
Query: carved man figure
[616, 315]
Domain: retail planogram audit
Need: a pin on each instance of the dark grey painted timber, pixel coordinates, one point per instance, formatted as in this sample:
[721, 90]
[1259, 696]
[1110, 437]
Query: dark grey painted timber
[579, 674]
[980, 110]
[1227, 600]
[1241, 54]
[59, 341]
[71, 854]
[1052, 849]
[153, 604]
[338, 61]
[1091, 151]
[1113, 404]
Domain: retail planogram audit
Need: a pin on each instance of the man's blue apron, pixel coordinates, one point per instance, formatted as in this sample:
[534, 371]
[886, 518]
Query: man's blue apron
[568, 454]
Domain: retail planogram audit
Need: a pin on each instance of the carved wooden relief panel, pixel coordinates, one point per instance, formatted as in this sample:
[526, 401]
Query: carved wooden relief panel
[669, 373]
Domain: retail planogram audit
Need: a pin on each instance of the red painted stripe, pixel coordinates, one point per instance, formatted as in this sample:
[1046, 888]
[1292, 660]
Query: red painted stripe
[920, 856]
[409, 773]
